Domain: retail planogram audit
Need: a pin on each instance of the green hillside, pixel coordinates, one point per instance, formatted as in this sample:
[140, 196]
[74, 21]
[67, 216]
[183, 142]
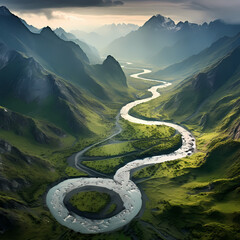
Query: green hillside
[199, 195]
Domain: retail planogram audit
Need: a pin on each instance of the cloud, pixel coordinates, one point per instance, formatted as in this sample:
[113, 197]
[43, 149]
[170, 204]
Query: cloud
[46, 4]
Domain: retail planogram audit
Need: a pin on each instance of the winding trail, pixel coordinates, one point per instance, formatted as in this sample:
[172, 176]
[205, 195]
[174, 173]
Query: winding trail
[121, 183]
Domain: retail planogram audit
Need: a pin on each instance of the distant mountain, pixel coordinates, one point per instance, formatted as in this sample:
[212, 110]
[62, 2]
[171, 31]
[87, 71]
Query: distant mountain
[116, 30]
[159, 22]
[191, 39]
[198, 62]
[91, 52]
[31, 27]
[162, 42]
[61, 32]
[104, 35]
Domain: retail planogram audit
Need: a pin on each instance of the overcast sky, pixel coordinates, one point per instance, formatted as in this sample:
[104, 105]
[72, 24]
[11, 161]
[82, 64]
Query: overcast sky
[88, 14]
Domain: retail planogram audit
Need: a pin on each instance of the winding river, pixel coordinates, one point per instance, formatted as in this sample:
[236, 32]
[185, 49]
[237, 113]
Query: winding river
[121, 184]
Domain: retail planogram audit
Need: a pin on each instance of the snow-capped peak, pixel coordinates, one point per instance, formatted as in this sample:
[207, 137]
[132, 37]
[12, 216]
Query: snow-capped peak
[160, 22]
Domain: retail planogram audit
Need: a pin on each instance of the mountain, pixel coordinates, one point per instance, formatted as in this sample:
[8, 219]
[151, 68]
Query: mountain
[23, 172]
[26, 87]
[198, 62]
[47, 78]
[5, 11]
[110, 74]
[91, 52]
[192, 39]
[162, 42]
[47, 48]
[35, 131]
[61, 32]
[53, 103]
[104, 35]
[114, 31]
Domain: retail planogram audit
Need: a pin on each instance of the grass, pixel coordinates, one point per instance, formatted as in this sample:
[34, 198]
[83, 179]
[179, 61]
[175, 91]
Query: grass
[111, 208]
[107, 166]
[111, 149]
[90, 201]
[73, 172]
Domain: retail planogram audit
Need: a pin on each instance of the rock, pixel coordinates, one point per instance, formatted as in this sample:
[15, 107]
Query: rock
[40, 136]
[13, 185]
[5, 147]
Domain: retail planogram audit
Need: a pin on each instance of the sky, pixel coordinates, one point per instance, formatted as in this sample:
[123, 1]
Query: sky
[87, 15]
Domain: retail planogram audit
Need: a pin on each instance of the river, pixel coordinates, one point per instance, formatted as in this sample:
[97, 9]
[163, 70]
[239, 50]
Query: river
[121, 183]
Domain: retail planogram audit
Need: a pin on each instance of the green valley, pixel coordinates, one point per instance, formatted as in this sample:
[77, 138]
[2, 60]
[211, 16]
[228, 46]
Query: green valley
[95, 147]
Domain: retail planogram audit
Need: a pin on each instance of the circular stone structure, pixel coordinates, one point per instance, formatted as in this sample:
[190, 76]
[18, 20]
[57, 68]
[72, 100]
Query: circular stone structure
[121, 183]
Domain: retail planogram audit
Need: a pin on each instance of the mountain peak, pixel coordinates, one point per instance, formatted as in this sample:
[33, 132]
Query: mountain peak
[112, 66]
[110, 60]
[59, 29]
[160, 17]
[4, 11]
[47, 31]
[160, 22]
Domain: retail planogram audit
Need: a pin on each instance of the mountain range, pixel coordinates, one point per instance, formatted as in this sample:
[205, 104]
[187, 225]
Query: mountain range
[91, 52]
[162, 42]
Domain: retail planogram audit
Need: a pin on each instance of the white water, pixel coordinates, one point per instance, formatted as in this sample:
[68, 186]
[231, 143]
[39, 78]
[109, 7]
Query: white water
[121, 182]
